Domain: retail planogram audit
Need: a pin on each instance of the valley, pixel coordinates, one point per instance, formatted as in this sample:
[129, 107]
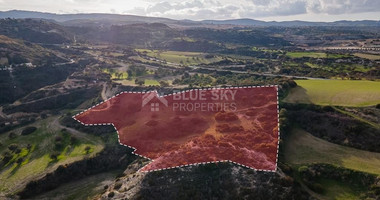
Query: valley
[52, 68]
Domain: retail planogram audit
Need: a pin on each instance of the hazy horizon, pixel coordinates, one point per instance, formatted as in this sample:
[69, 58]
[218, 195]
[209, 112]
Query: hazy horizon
[271, 10]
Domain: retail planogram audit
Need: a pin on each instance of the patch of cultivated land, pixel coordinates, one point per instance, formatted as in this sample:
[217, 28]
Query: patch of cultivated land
[303, 148]
[116, 75]
[335, 92]
[36, 160]
[151, 82]
[181, 57]
[367, 56]
[314, 55]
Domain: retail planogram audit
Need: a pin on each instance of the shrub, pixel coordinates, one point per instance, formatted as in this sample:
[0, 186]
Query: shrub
[12, 135]
[17, 150]
[54, 155]
[87, 149]
[7, 156]
[316, 187]
[12, 147]
[117, 186]
[139, 81]
[73, 140]
[111, 194]
[58, 145]
[19, 160]
[58, 138]
[303, 169]
[28, 130]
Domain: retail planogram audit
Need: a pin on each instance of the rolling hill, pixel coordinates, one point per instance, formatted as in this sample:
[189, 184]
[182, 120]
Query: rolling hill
[36, 31]
[78, 19]
[15, 51]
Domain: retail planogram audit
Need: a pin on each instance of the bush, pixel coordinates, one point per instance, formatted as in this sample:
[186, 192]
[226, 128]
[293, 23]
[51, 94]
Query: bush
[17, 150]
[58, 145]
[12, 147]
[54, 155]
[73, 140]
[7, 156]
[139, 81]
[12, 135]
[19, 161]
[87, 149]
[303, 169]
[111, 194]
[58, 138]
[316, 187]
[117, 186]
[28, 130]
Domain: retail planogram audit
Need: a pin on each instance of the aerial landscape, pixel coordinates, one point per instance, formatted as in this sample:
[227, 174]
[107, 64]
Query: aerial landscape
[310, 121]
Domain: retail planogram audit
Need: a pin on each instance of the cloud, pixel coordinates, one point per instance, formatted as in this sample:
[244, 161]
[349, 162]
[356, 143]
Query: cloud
[334, 7]
[223, 9]
[202, 9]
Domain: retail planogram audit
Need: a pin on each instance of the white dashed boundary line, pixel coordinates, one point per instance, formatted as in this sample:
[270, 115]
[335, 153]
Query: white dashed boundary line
[193, 164]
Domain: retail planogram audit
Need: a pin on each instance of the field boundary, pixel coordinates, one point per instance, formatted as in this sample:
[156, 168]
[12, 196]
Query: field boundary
[193, 164]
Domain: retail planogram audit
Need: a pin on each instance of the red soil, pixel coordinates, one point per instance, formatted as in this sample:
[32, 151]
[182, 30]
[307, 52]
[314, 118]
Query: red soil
[239, 124]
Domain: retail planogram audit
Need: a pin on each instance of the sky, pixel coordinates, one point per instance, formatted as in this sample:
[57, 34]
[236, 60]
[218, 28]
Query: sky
[267, 10]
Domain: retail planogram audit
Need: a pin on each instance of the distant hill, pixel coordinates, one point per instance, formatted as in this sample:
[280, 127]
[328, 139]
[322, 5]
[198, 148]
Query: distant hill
[97, 19]
[251, 22]
[142, 34]
[15, 51]
[72, 19]
[36, 31]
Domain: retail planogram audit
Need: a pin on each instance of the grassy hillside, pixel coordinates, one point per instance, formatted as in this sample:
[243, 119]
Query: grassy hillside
[15, 51]
[34, 30]
[303, 148]
[34, 157]
[85, 188]
[335, 92]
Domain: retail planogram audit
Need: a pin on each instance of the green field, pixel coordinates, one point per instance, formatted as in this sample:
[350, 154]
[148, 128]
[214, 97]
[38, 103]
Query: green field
[36, 160]
[303, 148]
[367, 56]
[151, 82]
[116, 75]
[340, 68]
[180, 57]
[335, 92]
[147, 82]
[314, 55]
